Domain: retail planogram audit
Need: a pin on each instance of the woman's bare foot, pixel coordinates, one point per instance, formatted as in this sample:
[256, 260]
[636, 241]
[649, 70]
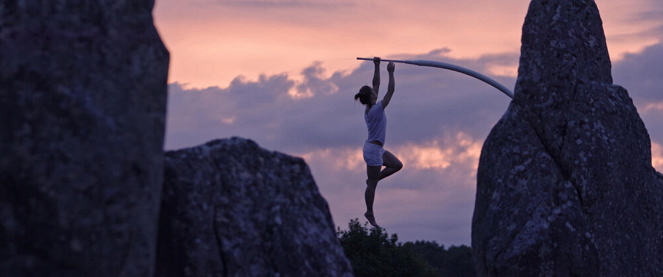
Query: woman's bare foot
[371, 218]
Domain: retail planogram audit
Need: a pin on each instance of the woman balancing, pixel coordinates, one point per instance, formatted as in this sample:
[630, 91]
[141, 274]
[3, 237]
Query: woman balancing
[374, 153]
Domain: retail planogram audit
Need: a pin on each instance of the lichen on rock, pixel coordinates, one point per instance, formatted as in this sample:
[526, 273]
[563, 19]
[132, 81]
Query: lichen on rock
[231, 208]
[565, 185]
[83, 89]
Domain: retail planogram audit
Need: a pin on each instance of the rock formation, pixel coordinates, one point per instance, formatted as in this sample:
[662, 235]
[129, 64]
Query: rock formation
[230, 208]
[82, 110]
[565, 185]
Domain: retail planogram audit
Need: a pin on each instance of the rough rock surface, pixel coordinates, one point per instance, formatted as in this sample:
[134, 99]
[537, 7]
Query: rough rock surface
[230, 208]
[565, 185]
[82, 111]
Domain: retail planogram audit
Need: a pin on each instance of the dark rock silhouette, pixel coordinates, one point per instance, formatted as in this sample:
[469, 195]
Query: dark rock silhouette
[82, 110]
[230, 208]
[565, 185]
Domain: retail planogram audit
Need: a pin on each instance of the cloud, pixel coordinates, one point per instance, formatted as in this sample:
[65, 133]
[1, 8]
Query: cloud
[439, 156]
[458, 149]
[198, 115]
[653, 106]
[640, 73]
[657, 156]
[652, 13]
[319, 111]
[314, 81]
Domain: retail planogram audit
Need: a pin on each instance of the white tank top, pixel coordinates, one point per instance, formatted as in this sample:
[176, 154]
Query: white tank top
[376, 122]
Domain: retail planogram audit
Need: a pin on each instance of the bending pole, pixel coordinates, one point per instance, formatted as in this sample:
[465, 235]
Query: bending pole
[456, 68]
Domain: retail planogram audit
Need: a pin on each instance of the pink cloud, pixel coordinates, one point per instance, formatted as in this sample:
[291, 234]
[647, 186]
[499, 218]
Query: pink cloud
[212, 41]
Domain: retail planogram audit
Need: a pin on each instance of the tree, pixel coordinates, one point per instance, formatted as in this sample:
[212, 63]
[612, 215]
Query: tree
[374, 253]
[456, 261]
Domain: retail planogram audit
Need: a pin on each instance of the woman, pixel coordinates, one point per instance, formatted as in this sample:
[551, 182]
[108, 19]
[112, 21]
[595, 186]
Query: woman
[376, 122]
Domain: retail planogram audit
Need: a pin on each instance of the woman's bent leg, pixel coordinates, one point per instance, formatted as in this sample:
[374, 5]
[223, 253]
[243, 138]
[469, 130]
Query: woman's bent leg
[391, 163]
[373, 173]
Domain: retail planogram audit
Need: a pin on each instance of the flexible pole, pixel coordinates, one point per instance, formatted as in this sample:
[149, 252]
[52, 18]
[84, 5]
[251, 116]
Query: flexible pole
[456, 68]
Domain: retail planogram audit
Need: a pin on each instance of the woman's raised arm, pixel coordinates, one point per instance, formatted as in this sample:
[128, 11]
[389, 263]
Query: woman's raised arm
[376, 75]
[392, 84]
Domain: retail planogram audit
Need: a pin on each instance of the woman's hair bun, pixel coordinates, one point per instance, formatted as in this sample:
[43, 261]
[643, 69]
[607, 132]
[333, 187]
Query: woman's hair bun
[364, 95]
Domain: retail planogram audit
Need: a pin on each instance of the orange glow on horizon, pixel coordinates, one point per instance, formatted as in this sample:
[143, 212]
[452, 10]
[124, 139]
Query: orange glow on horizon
[654, 106]
[460, 149]
[657, 156]
[341, 159]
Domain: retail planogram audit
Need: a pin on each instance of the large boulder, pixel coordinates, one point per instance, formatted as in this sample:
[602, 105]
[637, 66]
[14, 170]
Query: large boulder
[565, 185]
[83, 89]
[231, 208]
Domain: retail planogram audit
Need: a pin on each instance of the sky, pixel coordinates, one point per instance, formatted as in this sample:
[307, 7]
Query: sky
[283, 73]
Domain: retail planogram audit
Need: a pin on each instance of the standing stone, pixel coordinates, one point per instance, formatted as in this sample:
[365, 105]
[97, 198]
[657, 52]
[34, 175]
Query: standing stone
[565, 185]
[230, 208]
[82, 110]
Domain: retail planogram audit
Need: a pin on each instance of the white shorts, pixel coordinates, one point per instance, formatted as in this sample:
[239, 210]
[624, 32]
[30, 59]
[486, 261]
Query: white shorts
[373, 154]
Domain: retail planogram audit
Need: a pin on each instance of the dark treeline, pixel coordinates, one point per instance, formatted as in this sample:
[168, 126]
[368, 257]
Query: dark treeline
[373, 252]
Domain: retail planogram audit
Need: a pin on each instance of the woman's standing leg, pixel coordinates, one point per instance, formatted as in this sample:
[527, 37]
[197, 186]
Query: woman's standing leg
[373, 173]
[392, 165]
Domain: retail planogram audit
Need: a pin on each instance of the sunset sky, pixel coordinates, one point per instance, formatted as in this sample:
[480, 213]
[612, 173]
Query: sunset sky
[283, 73]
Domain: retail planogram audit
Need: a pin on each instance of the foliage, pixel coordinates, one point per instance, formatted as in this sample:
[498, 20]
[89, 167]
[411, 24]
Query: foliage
[455, 261]
[373, 253]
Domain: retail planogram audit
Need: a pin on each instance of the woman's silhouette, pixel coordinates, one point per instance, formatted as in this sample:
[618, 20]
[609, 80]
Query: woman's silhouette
[374, 153]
